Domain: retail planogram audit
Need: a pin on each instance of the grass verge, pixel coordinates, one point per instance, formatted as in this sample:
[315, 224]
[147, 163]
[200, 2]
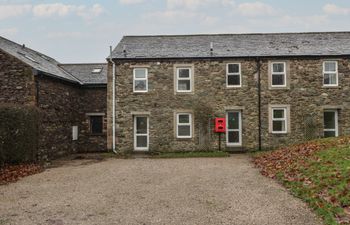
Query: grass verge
[318, 172]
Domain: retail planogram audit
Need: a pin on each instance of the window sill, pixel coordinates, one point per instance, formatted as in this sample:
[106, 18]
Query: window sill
[331, 87]
[184, 139]
[279, 88]
[233, 87]
[97, 135]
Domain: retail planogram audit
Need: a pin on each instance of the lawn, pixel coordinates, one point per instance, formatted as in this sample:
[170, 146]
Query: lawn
[317, 172]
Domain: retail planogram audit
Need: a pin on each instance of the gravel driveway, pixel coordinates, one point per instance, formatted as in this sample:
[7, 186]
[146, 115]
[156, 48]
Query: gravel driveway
[203, 191]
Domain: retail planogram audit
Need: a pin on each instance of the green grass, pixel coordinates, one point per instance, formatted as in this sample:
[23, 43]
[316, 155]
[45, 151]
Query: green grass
[192, 154]
[325, 183]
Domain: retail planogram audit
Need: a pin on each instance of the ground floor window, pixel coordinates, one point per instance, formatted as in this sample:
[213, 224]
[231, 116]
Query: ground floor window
[234, 128]
[330, 123]
[279, 120]
[96, 124]
[184, 125]
[141, 133]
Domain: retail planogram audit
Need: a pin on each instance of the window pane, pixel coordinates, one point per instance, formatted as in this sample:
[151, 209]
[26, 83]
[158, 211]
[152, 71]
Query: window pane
[278, 113]
[277, 79]
[141, 141]
[233, 68]
[184, 118]
[330, 78]
[184, 85]
[329, 134]
[233, 80]
[140, 73]
[184, 130]
[140, 85]
[279, 126]
[141, 125]
[96, 124]
[329, 120]
[330, 66]
[233, 136]
[233, 120]
[278, 67]
[184, 73]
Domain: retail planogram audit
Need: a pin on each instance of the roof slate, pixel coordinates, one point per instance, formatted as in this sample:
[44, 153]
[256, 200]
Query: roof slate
[84, 72]
[42, 62]
[233, 45]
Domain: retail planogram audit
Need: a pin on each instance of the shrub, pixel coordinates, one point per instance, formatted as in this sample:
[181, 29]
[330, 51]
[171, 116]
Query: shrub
[18, 134]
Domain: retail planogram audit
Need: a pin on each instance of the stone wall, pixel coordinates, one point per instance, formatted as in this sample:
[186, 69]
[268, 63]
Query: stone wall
[92, 101]
[63, 106]
[305, 96]
[16, 81]
[58, 103]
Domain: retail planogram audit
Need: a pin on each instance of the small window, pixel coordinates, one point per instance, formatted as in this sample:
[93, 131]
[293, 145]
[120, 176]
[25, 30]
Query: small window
[140, 80]
[184, 125]
[97, 70]
[278, 74]
[279, 120]
[233, 75]
[184, 80]
[330, 73]
[96, 124]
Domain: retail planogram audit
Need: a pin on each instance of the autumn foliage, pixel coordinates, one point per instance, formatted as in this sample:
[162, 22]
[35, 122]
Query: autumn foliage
[12, 173]
[317, 172]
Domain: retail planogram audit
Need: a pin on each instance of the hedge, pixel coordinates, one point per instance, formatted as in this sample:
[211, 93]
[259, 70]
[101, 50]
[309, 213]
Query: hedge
[18, 134]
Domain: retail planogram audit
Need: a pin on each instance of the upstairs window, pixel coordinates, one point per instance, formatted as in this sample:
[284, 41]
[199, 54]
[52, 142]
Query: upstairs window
[184, 125]
[96, 124]
[279, 120]
[183, 80]
[330, 73]
[278, 74]
[140, 80]
[233, 75]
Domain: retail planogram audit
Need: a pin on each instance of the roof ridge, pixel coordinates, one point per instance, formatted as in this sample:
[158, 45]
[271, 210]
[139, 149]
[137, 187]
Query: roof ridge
[67, 64]
[238, 34]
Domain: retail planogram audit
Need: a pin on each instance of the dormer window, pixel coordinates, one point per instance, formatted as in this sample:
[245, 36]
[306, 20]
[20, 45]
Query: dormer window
[97, 70]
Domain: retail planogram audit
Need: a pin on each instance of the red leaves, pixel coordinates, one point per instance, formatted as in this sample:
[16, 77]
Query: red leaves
[13, 173]
[288, 160]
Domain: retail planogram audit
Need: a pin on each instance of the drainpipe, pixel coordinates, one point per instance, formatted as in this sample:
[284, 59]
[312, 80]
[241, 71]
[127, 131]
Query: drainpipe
[113, 102]
[258, 65]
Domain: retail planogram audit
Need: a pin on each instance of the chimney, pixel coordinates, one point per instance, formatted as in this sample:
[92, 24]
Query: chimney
[23, 46]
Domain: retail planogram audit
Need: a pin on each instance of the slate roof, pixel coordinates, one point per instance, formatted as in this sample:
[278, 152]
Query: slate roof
[36, 60]
[84, 72]
[233, 45]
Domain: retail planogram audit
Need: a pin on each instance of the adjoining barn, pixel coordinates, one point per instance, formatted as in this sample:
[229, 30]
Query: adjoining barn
[70, 99]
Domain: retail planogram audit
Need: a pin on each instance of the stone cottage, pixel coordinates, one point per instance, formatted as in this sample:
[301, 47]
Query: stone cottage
[273, 89]
[71, 98]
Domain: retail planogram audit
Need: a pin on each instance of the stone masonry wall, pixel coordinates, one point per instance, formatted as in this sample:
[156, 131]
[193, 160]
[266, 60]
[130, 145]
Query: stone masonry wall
[305, 96]
[92, 100]
[16, 81]
[162, 103]
[64, 105]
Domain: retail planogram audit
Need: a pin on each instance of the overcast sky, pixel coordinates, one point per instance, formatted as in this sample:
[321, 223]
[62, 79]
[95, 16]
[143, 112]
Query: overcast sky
[82, 30]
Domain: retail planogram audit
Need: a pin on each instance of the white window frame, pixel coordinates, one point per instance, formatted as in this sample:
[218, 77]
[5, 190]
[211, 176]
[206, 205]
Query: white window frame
[136, 134]
[232, 144]
[183, 124]
[285, 119]
[234, 74]
[284, 73]
[145, 79]
[336, 129]
[178, 78]
[331, 72]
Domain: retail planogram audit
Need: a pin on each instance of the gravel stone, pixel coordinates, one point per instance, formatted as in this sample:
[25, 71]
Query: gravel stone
[152, 191]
